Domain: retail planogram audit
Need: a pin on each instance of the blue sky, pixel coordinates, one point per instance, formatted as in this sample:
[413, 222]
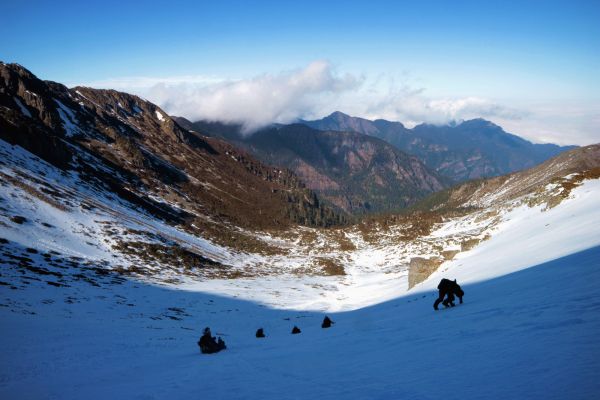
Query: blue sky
[527, 57]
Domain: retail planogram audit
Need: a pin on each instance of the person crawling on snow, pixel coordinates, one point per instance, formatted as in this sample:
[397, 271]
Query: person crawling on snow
[448, 289]
[208, 344]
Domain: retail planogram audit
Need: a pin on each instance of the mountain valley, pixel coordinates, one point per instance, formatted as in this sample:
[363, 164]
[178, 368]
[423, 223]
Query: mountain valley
[125, 231]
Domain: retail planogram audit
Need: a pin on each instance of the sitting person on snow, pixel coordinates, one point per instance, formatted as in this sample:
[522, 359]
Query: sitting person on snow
[448, 288]
[260, 333]
[327, 322]
[208, 344]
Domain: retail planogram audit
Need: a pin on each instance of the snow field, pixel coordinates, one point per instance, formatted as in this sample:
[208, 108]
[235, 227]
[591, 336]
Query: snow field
[530, 334]
[528, 328]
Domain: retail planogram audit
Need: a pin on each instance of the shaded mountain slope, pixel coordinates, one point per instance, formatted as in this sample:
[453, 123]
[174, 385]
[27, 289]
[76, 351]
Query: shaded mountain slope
[357, 173]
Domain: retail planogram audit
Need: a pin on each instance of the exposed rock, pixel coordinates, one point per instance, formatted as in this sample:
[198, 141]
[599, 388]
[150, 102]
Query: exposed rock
[449, 254]
[331, 267]
[420, 269]
[469, 244]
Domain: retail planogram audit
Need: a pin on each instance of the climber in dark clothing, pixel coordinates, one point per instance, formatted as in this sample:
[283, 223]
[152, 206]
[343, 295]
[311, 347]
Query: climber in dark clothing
[208, 344]
[296, 330]
[448, 289]
[327, 322]
[260, 333]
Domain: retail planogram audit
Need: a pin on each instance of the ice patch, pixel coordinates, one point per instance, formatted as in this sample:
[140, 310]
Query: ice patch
[159, 116]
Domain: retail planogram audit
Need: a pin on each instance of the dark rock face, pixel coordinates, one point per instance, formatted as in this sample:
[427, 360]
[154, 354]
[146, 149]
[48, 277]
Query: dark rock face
[357, 173]
[134, 149]
[469, 150]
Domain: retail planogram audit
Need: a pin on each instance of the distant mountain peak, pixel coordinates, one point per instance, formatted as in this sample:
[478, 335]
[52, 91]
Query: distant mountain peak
[338, 114]
[476, 122]
[460, 150]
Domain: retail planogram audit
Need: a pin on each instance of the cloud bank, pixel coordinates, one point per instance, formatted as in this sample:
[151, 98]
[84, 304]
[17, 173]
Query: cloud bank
[255, 102]
[412, 107]
[318, 89]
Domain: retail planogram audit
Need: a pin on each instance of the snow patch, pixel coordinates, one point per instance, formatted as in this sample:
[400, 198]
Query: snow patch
[68, 118]
[24, 109]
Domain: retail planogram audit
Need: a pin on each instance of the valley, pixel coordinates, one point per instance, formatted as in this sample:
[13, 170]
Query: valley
[124, 232]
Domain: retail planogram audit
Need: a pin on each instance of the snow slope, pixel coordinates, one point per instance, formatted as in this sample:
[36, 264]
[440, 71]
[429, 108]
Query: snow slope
[531, 334]
[74, 328]
[523, 237]
[528, 236]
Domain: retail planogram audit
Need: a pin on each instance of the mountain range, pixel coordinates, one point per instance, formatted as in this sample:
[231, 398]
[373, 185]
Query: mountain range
[366, 167]
[467, 150]
[356, 173]
[316, 173]
[122, 142]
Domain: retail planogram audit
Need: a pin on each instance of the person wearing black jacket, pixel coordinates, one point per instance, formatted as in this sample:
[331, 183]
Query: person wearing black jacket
[208, 344]
[450, 289]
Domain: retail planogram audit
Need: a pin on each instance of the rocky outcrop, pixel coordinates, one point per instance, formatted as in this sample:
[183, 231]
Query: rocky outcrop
[421, 268]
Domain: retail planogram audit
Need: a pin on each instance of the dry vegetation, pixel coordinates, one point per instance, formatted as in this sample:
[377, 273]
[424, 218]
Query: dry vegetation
[160, 257]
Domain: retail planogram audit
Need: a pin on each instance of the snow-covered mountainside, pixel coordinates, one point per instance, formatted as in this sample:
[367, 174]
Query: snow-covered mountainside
[63, 216]
[109, 275]
[76, 329]
[127, 145]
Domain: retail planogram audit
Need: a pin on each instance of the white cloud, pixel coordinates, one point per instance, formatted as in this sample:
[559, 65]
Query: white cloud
[318, 89]
[560, 122]
[412, 106]
[254, 102]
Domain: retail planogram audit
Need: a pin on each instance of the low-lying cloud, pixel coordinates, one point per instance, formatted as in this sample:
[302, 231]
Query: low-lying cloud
[412, 107]
[255, 102]
[319, 89]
